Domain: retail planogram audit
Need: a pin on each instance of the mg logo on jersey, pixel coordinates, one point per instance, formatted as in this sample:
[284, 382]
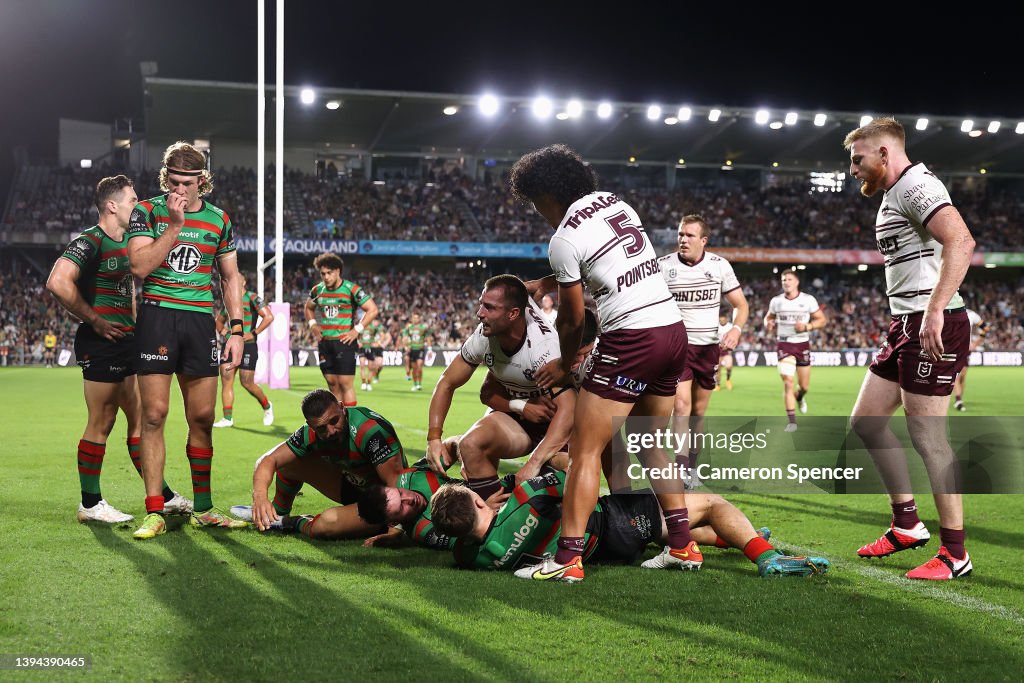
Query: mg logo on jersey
[184, 258]
[924, 369]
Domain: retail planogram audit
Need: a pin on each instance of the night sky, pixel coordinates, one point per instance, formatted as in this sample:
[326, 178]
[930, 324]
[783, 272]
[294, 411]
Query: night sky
[80, 59]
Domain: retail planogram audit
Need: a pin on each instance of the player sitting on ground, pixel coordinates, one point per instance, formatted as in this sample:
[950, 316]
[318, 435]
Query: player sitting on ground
[525, 529]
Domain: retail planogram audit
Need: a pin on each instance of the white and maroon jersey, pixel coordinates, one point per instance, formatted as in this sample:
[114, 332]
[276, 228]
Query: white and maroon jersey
[602, 244]
[722, 330]
[973, 318]
[789, 312]
[698, 290]
[912, 255]
[515, 371]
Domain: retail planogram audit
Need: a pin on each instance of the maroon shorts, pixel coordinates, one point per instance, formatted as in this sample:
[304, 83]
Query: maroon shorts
[702, 365]
[901, 359]
[799, 350]
[629, 363]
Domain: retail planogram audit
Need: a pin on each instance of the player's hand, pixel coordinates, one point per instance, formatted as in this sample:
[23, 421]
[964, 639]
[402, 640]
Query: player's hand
[263, 513]
[497, 499]
[800, 327]
[316, 332]
[539, 410]
[731, 339]
[107, 329]
[389, 539]
[176, 204]
[550, 374]
[528, 471]
[769, 324]
[232, 354]
[931, 335]
[437, 456]
[349, 336]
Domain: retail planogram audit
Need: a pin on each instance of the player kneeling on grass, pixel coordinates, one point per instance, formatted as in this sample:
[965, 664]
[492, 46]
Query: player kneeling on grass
[524, 530]
[339, 451]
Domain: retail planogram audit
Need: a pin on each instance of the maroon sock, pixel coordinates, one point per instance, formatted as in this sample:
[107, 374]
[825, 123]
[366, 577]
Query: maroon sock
[791, 414]
[568, 548]
[953, 539]
[678, 523]
[485, 486]
[904, 515]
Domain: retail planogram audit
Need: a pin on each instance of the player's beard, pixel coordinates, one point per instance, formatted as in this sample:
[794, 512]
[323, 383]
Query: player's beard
[871, 182]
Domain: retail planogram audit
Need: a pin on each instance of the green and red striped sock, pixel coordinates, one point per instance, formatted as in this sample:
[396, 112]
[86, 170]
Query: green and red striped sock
[228, 412]
[285, 491]
[90, 463]
[199, 460]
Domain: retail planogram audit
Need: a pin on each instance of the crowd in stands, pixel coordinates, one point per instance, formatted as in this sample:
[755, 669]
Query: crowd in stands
[450, 206]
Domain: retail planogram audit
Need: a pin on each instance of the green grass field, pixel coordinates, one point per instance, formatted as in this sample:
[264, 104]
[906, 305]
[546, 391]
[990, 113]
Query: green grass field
[196, 605]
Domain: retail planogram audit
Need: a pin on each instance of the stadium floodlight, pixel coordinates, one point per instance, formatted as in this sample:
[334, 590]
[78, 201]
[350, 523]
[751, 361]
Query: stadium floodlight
[488, 105]
[982, 171]
[307, 96]
[681, 161]
[604, 110]
[333, 104]
[574, 109]
[86, 163]
[562, 116]
[761, 117]
[791, 118]
[775, 164]
[1019, 130]
[976, 133]
[990, 265]
[714, 115]
[450, 110]
[671, 121]
[632, 160]
[922, 123]
[542, 107]
[684, 113]
[775, 125]
[820, 119]
[653, 112]
[862, 267]
[967, 126]
[865, 120]
[993, 127]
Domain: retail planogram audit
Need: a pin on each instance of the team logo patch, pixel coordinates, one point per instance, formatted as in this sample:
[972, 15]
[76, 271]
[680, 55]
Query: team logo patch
[162, 350]
[642, 524]
[184, 258]
[924, 369]
[124, 285]
[672, 273]
[489, 360]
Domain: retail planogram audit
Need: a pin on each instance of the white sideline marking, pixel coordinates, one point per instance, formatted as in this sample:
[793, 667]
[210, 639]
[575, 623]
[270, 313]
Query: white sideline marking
[925, 588]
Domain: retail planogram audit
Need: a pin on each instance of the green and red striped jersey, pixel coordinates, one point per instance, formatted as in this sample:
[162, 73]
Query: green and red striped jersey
[251, 305]
[371, 441]
[105, 281]
[422, 480]
[525, 528]
[370, 334]
[335, 308]
[184, 279]
[416, 336]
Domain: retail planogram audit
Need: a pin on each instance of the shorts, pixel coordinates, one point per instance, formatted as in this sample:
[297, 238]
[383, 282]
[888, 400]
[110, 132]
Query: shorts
[415, 355]
[629, 363]
[901, 359]
[250, 354]
[702, 365]
[534, 431]
[368, 353]
[103, 360]
[799, 350]
[337, 358]
[172, 341]
[627, 524]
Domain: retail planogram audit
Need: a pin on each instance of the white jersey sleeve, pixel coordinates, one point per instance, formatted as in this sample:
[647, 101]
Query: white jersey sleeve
[564, 260]
[476, 347]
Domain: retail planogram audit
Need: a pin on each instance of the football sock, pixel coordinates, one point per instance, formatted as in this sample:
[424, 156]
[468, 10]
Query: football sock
[791, 414]
[758, 550]
[285, 491]
[304, 525]
[800, 393]
[484, 486]
[199, 461]
[134, 452]
[90, 462]
[692, 457]
[904, 515]
[228, 412]
[953, 539]
[721, 542]
[678, 523]
[728, 373]
[568, 548]
[154, 504]
[353, 403]
[264, 402]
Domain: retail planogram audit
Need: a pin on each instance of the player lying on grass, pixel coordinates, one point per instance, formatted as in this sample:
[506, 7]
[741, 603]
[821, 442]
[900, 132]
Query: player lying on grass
[525, 529]
[339, 451]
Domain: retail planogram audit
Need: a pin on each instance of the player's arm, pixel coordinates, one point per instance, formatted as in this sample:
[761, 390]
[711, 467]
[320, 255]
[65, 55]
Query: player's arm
[222, 323]
[266, 318]
[394, 537]
[818, 320]
[369, 313]
[145, 254]
[541, 286]
[62, 283]
[494, 395]
[769, 322]
[389, 470]
[569, 325]
[741, 311]
[453, 377]
[556, 436]
[309, 309]
[948, 228]
[263, 513]
[231, 288]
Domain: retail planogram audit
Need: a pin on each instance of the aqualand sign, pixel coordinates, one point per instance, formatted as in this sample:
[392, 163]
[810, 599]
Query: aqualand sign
[527, 250]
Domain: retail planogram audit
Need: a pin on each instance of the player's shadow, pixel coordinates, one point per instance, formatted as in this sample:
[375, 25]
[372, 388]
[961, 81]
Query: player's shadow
[277, 431]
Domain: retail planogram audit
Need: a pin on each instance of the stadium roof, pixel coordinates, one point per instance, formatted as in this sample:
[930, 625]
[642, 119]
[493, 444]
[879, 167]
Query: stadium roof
[393, 123]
